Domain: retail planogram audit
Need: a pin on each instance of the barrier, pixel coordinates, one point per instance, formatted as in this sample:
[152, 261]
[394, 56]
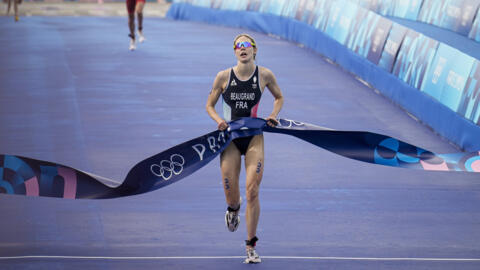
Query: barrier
[399, 62]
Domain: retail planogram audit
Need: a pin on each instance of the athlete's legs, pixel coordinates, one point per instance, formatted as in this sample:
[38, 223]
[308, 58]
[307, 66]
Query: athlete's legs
[131, 24]
[15, 8]
[9, 4]
[139, 11]
[131, 17]
[254, 162]
[230, 164]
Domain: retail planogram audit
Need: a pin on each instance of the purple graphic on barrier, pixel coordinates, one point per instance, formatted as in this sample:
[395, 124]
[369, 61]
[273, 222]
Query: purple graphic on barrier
[25, 176]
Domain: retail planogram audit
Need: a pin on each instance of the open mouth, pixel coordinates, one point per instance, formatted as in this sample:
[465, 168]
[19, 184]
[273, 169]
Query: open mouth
[243, 54]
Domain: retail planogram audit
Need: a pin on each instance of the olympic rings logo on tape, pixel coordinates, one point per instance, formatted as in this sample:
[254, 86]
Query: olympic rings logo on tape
[167, 168]
[289, 123]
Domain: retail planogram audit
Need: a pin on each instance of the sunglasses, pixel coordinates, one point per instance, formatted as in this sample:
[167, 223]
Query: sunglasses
[244, 44]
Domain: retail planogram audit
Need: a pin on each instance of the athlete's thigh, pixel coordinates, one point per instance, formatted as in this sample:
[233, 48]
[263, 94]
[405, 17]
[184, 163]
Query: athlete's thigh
[130, 7]
[139, 6]
[230, 164]
[254, 161]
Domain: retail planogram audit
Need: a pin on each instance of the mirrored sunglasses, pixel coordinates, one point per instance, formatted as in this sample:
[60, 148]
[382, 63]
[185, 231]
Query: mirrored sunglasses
[244, 44]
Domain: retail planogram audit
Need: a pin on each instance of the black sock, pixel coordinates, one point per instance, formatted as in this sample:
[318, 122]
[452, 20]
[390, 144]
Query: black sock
[229, 209]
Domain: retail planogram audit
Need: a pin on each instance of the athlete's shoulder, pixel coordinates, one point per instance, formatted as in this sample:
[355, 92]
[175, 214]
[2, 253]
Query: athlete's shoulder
[223, 74]
[221, 80]
[265, 73]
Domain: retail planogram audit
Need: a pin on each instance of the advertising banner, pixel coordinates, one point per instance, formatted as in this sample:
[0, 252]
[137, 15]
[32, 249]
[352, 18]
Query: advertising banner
[373, 5]
[305, 10]
[475, 30]
[458, 15]
[446, 79]
[274, 7]
[203, 3]
[290, 8]
[390, 51]
[217, 4]
[368, 35]
[431, 11]
[415, 56]
[385, 7]
[342, 14]
[407, 9]
[457, 76]
[321, 14]
[469, 106]
[254, 5]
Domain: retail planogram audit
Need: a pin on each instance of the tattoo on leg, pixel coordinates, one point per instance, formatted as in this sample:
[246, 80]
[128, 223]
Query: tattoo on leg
[259, 166]
[227, 185]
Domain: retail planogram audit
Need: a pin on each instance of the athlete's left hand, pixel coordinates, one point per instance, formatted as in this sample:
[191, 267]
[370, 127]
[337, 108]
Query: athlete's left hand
[271, 121]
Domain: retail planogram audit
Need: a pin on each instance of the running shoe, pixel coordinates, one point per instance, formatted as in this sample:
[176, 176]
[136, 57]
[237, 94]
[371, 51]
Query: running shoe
[232, 218]
[141, 38]
[132, 45]
[16, 18]
[252, 256]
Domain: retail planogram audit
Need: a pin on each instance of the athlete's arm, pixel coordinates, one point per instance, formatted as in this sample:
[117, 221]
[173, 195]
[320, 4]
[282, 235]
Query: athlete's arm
[271, 84]
[217, 89]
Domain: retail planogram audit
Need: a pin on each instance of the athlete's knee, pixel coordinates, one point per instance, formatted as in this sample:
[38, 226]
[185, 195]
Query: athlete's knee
[252, 192]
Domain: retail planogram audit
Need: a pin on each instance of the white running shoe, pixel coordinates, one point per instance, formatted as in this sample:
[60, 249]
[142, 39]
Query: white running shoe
[232, 218]
[252, 256]
[132, 45]
[141, 38]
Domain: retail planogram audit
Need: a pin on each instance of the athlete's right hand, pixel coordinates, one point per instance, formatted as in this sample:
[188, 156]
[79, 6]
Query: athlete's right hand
[222, 125]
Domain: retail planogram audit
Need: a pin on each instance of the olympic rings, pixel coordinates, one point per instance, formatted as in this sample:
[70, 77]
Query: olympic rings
[167, 168]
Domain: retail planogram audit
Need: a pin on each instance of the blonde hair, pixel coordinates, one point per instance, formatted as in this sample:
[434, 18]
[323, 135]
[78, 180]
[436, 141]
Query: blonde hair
[254, 44]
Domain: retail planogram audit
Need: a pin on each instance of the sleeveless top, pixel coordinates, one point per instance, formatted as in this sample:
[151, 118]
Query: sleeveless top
[241, 98]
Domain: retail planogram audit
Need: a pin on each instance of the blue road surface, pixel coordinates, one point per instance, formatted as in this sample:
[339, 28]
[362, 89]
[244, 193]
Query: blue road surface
[72, 93]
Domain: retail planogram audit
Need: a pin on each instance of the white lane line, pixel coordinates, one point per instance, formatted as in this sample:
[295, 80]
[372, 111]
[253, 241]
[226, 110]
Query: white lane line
[237, 257]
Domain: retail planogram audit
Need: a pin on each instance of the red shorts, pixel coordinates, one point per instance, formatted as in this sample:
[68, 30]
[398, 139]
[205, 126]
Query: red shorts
[131, 5]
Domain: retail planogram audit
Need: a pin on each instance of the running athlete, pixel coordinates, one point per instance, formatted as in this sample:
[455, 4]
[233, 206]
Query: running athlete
[241, 88]
[135, 6]
[15, 7]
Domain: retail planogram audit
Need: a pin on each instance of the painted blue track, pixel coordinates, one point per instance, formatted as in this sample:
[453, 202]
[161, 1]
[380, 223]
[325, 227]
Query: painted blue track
[72, 93]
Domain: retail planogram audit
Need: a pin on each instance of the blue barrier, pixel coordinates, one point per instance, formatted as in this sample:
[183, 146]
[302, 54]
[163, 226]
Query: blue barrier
[410, 67]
